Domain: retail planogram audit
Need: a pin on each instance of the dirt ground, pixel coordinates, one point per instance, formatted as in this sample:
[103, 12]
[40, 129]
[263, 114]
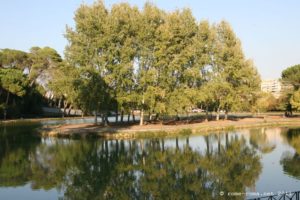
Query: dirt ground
[173, 126]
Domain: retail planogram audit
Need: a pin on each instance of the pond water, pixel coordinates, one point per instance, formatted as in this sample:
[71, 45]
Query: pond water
[230, 165]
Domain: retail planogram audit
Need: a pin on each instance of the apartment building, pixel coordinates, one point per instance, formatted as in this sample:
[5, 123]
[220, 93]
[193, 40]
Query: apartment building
[272, 86]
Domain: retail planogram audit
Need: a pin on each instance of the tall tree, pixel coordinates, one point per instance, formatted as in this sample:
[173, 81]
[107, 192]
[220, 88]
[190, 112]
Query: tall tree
[178, 60]
[231, 68]
[122, 32]
[149, 36]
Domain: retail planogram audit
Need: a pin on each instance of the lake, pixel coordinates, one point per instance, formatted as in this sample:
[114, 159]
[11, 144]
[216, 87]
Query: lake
[229, 165]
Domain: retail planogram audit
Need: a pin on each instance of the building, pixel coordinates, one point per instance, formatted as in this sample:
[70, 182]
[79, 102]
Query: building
[272, 86]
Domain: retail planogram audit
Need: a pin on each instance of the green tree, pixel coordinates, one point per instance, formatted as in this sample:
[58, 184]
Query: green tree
[175, 78]
[230, 66]
[265, 102]
[295, 100]
[291, 75]
[43, 62]
[10, 58]
[62, 85]
[159, 61]
[14, 83]
[149, 37]
[92, 94]
[122, 33]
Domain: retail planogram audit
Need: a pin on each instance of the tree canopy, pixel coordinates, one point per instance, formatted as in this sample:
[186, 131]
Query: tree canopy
[161, 61]
[121, 59]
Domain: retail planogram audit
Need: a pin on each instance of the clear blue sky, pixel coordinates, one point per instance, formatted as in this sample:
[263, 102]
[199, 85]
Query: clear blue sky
[269, 29]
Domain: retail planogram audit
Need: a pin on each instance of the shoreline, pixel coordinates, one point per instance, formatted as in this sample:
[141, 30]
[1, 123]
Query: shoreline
[11, 121]
[158, 130]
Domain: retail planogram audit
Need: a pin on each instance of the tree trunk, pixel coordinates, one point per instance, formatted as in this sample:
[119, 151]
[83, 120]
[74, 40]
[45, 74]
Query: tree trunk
[142, 113]
[106, 119]
[226, 115]
[177, 117]
[218, 114]
[128, 117]
[69, 110]
[65, 107]
[59, 103]
[96, 118]
[188, 118]
[206, 114]
[142, 117]
[122, 116]
[102, 119]
[7, 98]
[133, 116]
[117, 114]
[156, 117]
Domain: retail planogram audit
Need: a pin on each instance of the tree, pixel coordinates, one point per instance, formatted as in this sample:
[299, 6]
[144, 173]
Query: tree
[220, 94]
[13, 82]
[176, 62]
[295, 100]
[10, 58]
[230, 66]
[92, 92]
[62, 85]
[149, 35]
[43, 61]
[122, 33]
[28, 103]
[159, 61]
[291, 75]
[265, 102]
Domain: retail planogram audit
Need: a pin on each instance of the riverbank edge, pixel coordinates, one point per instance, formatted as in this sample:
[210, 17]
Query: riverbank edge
[33, 120]
[203, 128]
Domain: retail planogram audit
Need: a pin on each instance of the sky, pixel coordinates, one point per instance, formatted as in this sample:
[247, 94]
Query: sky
[268, 29]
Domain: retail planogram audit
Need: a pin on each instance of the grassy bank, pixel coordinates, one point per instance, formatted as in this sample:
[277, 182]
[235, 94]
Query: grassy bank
[158, 130]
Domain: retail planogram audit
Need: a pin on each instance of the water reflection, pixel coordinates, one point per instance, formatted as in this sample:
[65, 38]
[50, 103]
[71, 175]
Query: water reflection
[291, 161]
[16, 146]
[134, 169]
[259, 139]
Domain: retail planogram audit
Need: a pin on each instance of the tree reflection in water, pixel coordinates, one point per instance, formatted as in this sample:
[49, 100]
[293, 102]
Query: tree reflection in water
[260, 141]
[291, 161]
[136, 169]
[16, 146]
